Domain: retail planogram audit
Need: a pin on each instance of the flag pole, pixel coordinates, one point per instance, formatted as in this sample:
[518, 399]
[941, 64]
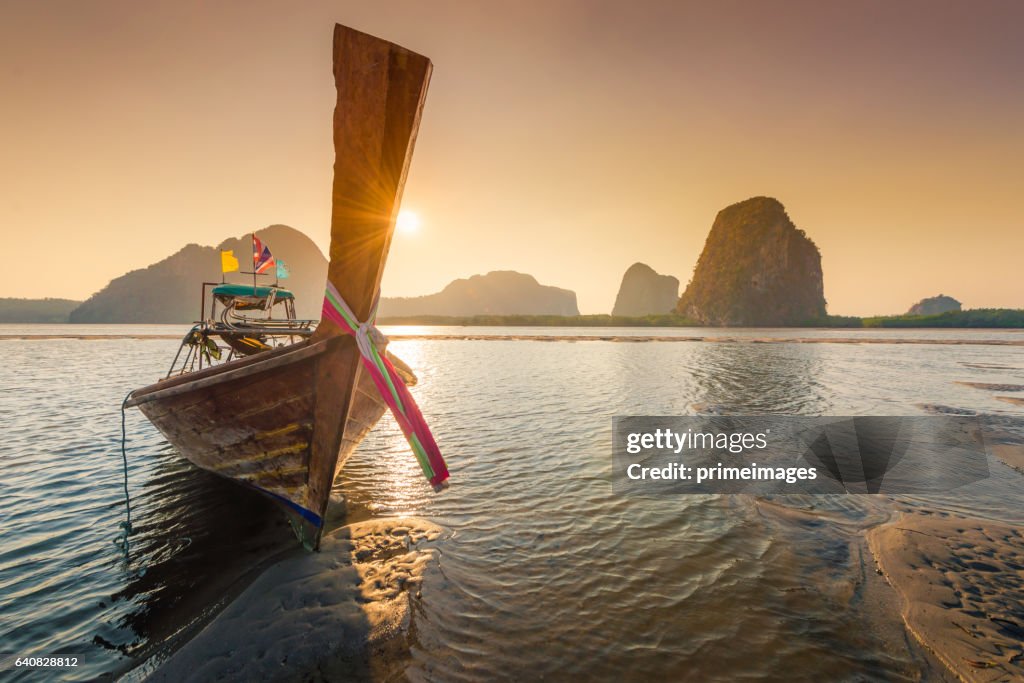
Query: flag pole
[254, 263]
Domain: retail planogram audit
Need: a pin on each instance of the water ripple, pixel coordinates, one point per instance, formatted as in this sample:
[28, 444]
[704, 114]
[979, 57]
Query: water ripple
[543, 572]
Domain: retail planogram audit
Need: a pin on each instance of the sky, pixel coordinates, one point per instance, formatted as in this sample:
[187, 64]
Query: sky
[564, 139]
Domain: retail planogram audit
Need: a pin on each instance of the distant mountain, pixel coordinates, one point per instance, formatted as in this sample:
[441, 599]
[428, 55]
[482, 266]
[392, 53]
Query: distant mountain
[169, 291]
[934, 305]
[36, 310]
[757, 269]
[501, 292]
[645, 292]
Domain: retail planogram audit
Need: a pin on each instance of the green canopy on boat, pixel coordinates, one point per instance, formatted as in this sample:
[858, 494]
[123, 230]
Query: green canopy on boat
[232, 290]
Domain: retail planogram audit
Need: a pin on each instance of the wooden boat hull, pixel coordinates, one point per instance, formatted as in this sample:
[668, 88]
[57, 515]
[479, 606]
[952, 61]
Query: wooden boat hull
[252, 421]
[285, 420]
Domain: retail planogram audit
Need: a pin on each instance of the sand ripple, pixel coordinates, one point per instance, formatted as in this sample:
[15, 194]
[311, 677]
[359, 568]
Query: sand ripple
[318, 616]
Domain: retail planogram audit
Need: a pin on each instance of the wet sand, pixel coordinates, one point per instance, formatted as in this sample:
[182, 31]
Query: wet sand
[961, 582]
[1008, 448]
[339, 614]
[988, 386]
[722, 340]
[1010, 453]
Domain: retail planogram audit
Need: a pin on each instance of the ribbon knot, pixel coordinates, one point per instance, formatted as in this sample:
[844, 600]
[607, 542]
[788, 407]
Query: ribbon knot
[372, 343]
[367, 334]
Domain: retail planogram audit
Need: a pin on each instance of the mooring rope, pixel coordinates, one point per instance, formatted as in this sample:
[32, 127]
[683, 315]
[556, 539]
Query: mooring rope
[122, 540]
[396, 395]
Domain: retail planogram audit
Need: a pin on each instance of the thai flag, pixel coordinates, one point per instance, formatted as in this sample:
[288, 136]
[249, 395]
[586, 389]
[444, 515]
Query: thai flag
[262, 259]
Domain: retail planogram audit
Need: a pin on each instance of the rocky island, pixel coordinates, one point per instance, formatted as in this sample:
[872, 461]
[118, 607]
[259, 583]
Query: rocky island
[935, 305]
[500, 292]
[168, 291]
[756, 269]
[644, 292]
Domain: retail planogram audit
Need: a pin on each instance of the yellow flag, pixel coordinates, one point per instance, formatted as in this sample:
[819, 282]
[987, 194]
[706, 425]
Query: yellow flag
[228, 262]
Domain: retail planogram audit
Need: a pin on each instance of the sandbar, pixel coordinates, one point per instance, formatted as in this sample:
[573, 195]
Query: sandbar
[961, 581]
[339, 614]
[629, 339]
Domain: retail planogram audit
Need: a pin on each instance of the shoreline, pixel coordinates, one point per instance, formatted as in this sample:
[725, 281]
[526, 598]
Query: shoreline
[569, 338]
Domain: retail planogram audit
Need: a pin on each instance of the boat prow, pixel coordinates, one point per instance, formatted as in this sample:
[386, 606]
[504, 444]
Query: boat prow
[252, 420]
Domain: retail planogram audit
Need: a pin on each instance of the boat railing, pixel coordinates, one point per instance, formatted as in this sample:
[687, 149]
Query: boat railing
[232, 320]
[300, 328]
[201, 349]
[187, 342]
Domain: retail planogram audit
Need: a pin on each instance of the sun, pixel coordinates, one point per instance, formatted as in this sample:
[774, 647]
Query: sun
[408, 222]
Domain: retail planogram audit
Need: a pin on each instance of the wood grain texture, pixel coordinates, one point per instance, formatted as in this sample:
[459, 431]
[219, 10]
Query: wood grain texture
[220, 374]
[381, 88]
[257, 427]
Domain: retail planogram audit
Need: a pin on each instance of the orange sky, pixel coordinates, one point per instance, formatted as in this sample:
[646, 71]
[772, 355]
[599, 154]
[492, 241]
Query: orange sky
[562, 139]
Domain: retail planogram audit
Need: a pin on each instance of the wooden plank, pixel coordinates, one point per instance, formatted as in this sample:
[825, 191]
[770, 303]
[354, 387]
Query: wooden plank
[226, 373]
[380, 92]
[215, 369]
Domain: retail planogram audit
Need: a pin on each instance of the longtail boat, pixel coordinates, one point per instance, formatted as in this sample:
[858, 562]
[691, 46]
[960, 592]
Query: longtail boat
[284, 402]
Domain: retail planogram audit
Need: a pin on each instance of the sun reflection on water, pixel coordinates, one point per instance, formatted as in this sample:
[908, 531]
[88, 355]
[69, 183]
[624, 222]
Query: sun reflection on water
[383, 476]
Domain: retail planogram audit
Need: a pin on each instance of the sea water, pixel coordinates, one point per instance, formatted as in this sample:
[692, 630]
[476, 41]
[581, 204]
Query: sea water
[541, 571]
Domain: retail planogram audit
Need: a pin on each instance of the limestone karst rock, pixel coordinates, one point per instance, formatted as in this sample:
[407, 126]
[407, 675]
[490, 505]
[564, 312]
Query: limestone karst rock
[168, 291]
[757, 269]
[500, 292]
[645, 292]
